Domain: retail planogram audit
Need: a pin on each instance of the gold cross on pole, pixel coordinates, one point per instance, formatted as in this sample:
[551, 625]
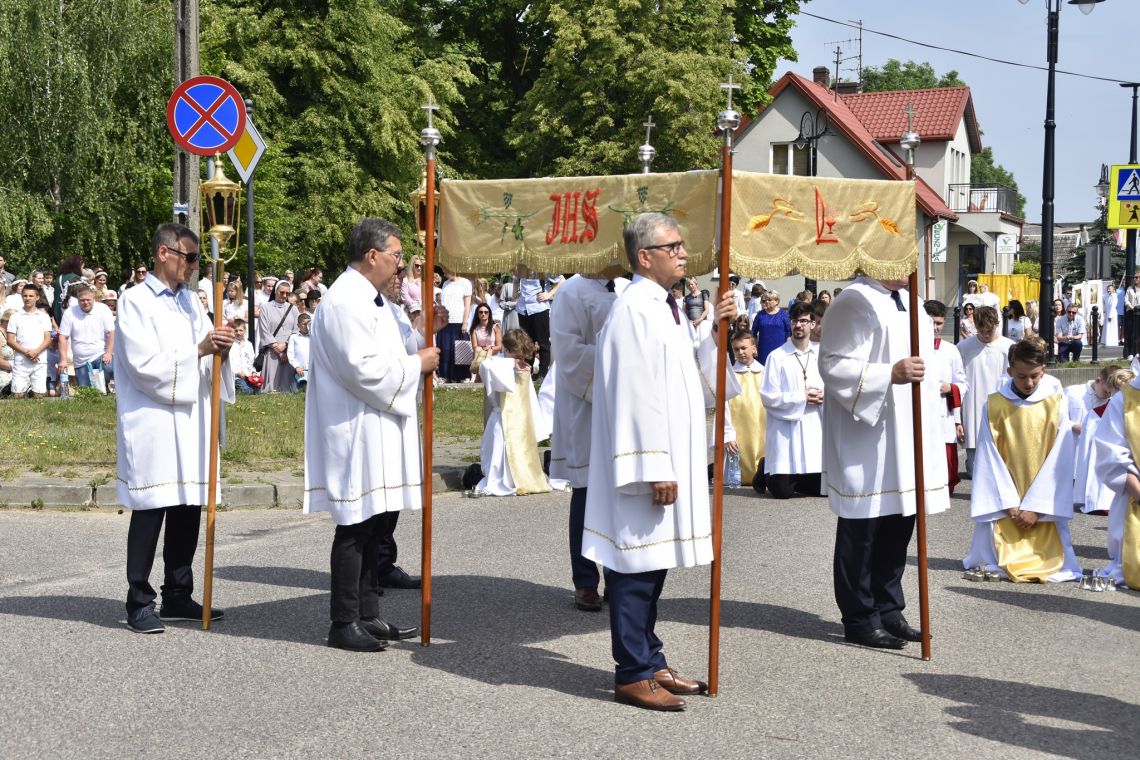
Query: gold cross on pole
[430, 107]
[910, 112]
[648, 124]
[729, 87]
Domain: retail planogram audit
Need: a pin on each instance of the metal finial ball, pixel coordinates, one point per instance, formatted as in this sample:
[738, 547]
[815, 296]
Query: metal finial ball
[646, 153]
[430, 137]
[728, 120]
[910, 140]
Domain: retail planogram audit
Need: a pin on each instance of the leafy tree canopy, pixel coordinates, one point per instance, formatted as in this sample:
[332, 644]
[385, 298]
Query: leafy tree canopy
[896, 75]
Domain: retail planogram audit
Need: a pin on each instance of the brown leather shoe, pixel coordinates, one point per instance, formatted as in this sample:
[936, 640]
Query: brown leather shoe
[647, 694]
[587, 599]
[674, 682]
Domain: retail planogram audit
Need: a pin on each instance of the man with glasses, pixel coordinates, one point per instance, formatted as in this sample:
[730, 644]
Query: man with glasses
[647, 500]
[1069, 330]
[164, 350]
[792, 392]
[364, 377]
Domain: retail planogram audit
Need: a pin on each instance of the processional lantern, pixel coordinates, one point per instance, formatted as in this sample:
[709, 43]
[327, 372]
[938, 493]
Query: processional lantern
[220, 202]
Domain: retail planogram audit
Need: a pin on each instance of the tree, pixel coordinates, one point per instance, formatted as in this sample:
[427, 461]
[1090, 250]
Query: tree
[983, 171]
[1073, 268]
[895, 75]
[82, 94]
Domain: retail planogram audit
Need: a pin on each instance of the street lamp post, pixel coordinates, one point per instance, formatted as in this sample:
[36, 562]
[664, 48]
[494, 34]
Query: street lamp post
[1130, 239]
[812, 127]
[1054, 8]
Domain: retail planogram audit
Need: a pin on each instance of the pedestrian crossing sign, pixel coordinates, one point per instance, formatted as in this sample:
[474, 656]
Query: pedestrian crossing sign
[1124, 199]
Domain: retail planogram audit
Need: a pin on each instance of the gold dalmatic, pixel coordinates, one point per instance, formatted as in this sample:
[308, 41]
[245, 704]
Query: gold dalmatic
[1130, 547]
[751, 423]
[1024, 436]
[518, 436]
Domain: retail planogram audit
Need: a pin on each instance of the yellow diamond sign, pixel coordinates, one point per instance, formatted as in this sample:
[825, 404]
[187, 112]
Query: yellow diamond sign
[248, 151]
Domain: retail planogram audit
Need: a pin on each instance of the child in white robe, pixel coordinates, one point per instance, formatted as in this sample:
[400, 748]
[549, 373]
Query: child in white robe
[1090, 494]
[1117, 445]
[985, 358]
[746, 410]
[509, 452]
[1022, 497]
[297, 350]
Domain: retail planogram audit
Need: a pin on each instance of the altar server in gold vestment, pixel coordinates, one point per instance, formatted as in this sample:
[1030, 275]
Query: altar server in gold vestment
[1117, 465]
[746, 410]
[1022, 498]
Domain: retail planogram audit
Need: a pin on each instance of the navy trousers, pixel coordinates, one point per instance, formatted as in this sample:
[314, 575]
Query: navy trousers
[180, 541]
[633, 617]
[583, 571]
[870, 556]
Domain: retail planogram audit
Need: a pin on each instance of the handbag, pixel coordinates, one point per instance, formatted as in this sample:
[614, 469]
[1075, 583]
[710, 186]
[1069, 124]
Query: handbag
[463, 353]
[259, 360]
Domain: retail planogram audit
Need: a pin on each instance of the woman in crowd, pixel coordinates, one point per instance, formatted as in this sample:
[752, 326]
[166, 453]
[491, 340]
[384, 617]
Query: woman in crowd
[1034, 316]
[100, 285]
[825, 296]
[771, 326]
[40, 280]
[972, 294]
[967, 329]
[70, 273]
[696, 305]
[411, 289]
[234, 307]
[311, 280]
[1018, 325]
[6, 355]
[486, 338]
[137, 278]
[277, 321]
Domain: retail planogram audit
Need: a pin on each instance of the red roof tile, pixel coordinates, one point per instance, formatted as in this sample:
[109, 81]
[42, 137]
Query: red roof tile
[939, 110]
[844, 121]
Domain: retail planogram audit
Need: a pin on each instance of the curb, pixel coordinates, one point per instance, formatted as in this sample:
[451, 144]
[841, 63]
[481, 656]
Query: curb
[29, 494]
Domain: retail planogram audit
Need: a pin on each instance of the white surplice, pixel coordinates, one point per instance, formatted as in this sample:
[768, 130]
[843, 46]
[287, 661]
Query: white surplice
[1089, 492]
[1114, 463]
[793, 443]
[950, 370]
[986, 366]
[1050, 495]
[868, 440]
[362, 450]
[1110, 320]
[162, 397]
[576, 317]
[648, 426]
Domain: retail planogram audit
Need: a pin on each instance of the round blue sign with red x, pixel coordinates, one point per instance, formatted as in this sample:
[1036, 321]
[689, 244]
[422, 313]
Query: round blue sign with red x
[206, 115]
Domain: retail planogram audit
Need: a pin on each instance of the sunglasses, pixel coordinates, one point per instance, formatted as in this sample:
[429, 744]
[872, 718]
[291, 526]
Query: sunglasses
[190, 257]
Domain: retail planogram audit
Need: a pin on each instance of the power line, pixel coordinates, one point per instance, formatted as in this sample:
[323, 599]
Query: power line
[961, 52]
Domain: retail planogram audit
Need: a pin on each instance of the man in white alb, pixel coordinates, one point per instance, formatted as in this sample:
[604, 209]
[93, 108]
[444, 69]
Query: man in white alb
[647, 503]
[792, 392]
[985, 358]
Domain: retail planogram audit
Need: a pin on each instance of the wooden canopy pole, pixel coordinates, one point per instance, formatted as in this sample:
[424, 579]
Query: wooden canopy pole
[727, 122]
[919, 476]
[215, 427]
[430, 138]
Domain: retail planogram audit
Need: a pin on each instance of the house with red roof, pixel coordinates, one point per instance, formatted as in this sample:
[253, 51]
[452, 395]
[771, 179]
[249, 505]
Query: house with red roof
[857, 135]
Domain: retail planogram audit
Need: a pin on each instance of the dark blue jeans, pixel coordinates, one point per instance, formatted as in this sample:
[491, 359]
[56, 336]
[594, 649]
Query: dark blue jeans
[1069, 351]
[83, 372]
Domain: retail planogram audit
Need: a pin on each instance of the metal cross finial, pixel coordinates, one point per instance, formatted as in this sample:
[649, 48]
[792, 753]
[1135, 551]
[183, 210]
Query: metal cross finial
[648, 124]
[729, 86]
[430, 107]
[910, 112]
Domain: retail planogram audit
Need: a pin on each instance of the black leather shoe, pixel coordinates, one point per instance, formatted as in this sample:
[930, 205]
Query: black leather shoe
[877, 639]
[902, 630]
[377, 628]
[354, 638]
[397, 578]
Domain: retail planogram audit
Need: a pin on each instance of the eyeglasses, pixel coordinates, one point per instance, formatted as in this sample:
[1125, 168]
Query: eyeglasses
[398, 255]
[673, 249]
[802, 321]
[190, 257]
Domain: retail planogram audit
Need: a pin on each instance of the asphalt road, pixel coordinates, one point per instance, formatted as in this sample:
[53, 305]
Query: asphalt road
[515, 672]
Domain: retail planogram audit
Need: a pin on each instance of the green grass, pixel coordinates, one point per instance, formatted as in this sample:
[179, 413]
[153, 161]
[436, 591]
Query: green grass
[65, 438]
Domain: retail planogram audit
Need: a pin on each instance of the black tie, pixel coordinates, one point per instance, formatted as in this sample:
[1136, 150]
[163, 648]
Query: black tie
[610, 286]
[669, 299]
[379, 300]
[897, 299]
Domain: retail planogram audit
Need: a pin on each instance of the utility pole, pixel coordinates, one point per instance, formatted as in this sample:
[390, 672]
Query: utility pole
[186, 168]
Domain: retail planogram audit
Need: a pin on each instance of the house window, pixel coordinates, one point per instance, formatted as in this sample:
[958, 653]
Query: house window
[788, 159]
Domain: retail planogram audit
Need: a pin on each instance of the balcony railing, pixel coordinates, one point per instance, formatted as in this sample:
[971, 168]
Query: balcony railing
[980, 199]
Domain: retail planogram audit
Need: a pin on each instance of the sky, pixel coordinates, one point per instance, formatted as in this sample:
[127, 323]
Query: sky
[1093, 117]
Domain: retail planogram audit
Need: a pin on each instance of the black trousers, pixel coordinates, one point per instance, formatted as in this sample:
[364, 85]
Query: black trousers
[583, 571]
[537, 326]
[180, 541]
[786, 486]
[633, 617]
[355, 562]
[870, 556]
[388, 549]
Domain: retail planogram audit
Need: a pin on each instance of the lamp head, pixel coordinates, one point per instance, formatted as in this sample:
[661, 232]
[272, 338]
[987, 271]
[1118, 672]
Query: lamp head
[1086, 6]
[220, 202]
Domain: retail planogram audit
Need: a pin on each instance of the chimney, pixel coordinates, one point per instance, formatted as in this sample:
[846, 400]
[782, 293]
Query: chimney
[847, 88]
[821, 75]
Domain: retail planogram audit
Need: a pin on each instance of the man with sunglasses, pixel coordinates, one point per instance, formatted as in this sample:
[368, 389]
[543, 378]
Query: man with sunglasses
[164, 354]
[647, 499]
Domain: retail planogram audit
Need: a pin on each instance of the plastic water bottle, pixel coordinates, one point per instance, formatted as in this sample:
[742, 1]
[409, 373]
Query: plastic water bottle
[63, 389]
[732, 470]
